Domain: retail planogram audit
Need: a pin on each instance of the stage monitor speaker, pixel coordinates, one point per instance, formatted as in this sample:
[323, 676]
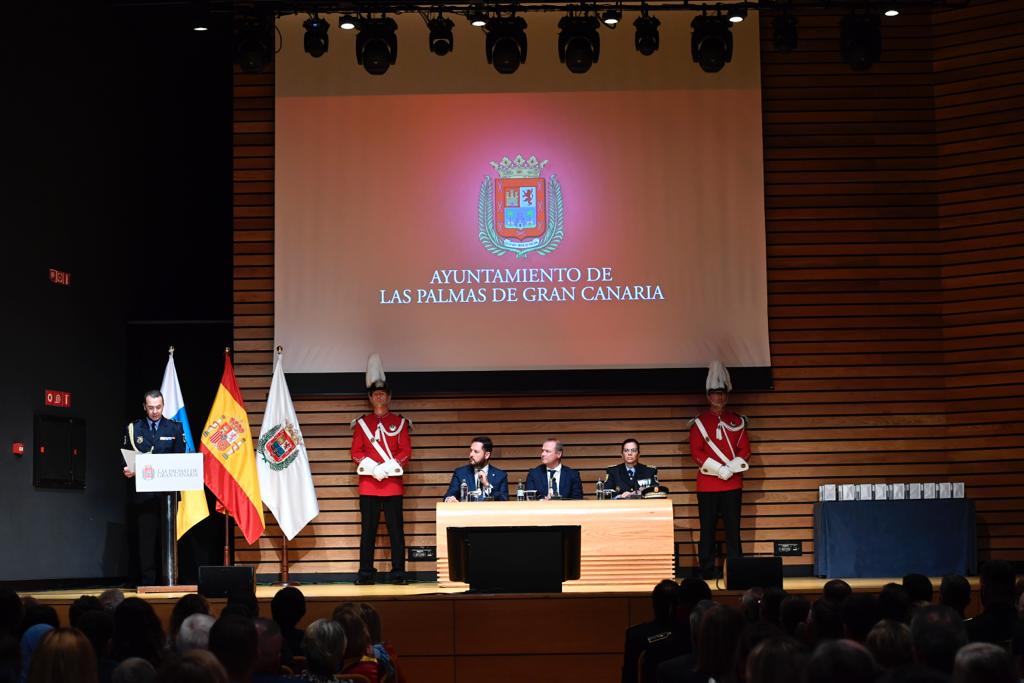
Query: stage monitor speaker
[750, 572]
[219, 582]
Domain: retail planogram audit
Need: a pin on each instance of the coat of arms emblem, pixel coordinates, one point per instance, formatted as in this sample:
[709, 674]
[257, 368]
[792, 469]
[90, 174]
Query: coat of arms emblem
[520, 211]
[279, 446]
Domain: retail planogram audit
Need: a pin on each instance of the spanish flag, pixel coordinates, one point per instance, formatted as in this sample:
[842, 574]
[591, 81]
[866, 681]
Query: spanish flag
[229, 459]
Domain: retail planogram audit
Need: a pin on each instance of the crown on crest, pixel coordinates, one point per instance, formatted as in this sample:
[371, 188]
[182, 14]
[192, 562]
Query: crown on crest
[519, 167]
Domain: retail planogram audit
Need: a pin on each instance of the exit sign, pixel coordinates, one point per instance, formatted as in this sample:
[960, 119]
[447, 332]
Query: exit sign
[59, 277]
[59, 399]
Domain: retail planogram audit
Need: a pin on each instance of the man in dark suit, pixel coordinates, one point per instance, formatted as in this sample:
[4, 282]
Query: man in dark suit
[629, 478]
[157, 434]
[552, 479]
[483, 480]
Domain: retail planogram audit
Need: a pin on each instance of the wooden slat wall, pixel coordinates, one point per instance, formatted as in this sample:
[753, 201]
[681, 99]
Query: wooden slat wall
[895, 292]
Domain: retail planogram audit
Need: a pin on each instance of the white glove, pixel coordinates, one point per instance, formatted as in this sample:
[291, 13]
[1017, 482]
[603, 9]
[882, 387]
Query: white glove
[711, 467]
[737, 465]
[379, 473]
[725, 474]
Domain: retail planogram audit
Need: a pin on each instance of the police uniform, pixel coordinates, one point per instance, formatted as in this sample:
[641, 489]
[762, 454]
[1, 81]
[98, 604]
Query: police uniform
[168, 436]
[620, 481]
[391, 432]
[715, 442]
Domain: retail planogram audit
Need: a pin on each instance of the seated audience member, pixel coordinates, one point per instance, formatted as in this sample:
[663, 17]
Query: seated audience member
[836, 590]
[324, 643]
[63, 655]
[83, 604]
[30, 641]
[793, 613]
[664, 600]
[840, 661]
[234, 642]
[111, 598]
[694, 599]
[383, 651]
[776, 660]
[860, 613]
[919, 588]
[98, 628]
[358, 656]
[194, 633]
[35, 613]
[750, 604]
[998, 617]
[771, 604]
[984, 663]
[824, 622]
[194, 666]
[626, 480]
[481, 478]
[11, 610]
[242, 602]
[287, 608]
[937, 633]
[137, 632]
[894, 603]
[186, 606]
[268, 651]
[10, 659]
[889, 642]
[955, 592]
[752, 635]
[718, 634]
[134, 670]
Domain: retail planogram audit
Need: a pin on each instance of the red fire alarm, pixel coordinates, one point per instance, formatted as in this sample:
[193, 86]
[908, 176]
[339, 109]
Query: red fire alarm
[18, 448]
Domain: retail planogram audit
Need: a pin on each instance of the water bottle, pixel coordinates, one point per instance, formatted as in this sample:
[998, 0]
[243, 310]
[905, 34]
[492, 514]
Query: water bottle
[463, 492]
[520, 491]
[600, 489]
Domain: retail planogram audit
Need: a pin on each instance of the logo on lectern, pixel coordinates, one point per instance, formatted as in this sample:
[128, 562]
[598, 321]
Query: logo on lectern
[148, 473]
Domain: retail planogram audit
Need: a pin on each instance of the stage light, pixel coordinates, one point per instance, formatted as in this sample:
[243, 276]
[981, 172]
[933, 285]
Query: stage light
[442, 40]
[253, 49]
[892, 12]
[647, 39]
[200, 15]
[737, 14]
[315, 41]
[477, 18]
[860, 40]
[711, 42]
[784, 34]
[506, 43]
[579, 46]
[347, 22]
[377, 45]
[611, 18]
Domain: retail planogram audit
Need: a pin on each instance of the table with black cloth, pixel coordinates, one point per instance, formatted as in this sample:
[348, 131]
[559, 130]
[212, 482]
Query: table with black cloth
[891, 538]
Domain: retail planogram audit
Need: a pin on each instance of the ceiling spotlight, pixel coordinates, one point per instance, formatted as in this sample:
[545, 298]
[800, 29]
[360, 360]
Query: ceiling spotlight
[347, 22]
[711, 42]
[315, 41]
[506, 43]
[442, 40]
[738, 14]
[253, 47]
[860, 40]
[377, 45]
[611, 18]
[647, 39]
[477, 18]
[893, 12]
[784, 35]
[579, 46]
[200, 15]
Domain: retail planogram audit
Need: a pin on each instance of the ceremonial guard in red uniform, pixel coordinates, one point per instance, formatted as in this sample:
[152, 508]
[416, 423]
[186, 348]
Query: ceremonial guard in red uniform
[721, 449]
[381, 447]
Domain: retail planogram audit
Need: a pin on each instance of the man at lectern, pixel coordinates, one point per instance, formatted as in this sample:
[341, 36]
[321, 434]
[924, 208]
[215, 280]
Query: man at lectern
[630, 477]
[381, 447]
[552, 479]
[483, 480]
[721, 449]
[158, 434]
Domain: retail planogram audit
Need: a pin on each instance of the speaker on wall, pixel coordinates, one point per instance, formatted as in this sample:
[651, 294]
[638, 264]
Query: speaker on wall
[749, 572]
[219, 582]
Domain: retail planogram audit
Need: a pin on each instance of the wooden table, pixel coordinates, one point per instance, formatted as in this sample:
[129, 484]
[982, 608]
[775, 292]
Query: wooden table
[623, 543]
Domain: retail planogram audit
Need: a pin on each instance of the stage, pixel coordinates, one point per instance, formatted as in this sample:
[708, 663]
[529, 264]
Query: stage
[446, 636]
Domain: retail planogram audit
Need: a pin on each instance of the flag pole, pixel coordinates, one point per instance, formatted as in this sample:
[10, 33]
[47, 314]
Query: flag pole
[285, 578]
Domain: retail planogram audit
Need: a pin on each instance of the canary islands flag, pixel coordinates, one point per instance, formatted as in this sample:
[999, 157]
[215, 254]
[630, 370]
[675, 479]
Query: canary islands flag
[192, 509]
[229, 458]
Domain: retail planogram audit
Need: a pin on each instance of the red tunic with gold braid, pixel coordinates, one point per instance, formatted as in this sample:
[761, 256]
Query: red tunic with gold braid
[393, 430]
[731, 439]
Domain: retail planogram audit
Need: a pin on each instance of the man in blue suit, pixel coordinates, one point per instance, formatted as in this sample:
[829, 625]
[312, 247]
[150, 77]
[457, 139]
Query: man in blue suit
[158, 434]
[483, 480]
[552, 479]
[630, 477]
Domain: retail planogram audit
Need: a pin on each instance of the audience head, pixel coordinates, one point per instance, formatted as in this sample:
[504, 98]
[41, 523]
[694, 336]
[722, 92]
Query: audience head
[716, 640]
[836, 590]
[30, 641]
[98, 627]
[691, 591]
[860, 613]
[194, 633]
[696, 614]
[243, 597]
[35, 613]
[890, 644]
[11, 611]
[997, 579]
[894, 603]
[937, 632]
[776, 660]
[824, 622]
[111, 598]
[86, 603]
[287, 607]
[793, 612]
[750, 603]
[234, 642]
[194, 666]
[664, 599]
[771, 604]
[64, 654]
[10, 659]
[134, 670]
[372, 621]
[187, 605]
[324, 643]
[269, 642]
[752, 634]
[984, 663]
[356, 634]
[137, 632]
[840, 661]
[955, 592]
[919, 587]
